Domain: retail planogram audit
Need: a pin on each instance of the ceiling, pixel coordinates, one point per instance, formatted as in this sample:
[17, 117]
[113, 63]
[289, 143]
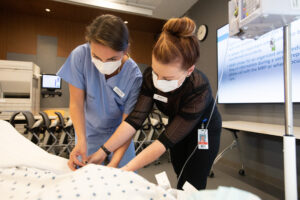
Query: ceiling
[86, 10]
[161, 9]
[76, 13]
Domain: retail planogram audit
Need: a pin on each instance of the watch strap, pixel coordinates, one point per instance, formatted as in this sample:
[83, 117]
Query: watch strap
[105, 150]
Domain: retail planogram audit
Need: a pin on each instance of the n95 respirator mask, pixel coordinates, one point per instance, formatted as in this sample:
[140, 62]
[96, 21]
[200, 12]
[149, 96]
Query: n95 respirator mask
[106, 68]
[164, 85]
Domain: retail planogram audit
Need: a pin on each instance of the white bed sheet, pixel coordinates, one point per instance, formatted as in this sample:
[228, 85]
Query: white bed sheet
[29, 172]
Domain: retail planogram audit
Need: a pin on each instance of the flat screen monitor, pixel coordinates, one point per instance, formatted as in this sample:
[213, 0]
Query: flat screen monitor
[51, 81]
[251, 71]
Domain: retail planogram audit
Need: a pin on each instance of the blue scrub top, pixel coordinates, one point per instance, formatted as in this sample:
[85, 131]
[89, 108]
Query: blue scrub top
[104, 106]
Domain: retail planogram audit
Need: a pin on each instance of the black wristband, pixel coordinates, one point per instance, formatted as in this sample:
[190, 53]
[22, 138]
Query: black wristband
[105, 150]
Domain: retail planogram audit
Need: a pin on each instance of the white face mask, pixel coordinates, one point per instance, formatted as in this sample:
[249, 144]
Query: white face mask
[106, 67]
[164, 85]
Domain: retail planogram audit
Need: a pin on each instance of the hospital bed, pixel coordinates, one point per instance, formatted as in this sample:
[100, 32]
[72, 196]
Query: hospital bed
[29, 172]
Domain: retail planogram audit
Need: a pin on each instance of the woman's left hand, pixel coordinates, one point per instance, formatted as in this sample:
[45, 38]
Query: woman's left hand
[98, 157]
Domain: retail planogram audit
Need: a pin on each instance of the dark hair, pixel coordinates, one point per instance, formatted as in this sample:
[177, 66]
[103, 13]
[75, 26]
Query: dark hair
[178, 41]
[108, 30]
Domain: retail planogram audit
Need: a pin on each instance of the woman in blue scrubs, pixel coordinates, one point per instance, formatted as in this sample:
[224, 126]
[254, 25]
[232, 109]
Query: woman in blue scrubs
[104, 84]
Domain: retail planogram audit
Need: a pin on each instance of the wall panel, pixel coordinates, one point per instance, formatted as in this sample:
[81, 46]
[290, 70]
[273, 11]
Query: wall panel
[19, 33]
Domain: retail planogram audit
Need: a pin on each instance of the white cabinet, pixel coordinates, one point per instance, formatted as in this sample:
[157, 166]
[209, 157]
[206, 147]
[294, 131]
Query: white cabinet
[19, 87]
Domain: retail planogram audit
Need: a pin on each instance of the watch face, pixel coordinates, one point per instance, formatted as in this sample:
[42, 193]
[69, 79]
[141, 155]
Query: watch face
[202, 32]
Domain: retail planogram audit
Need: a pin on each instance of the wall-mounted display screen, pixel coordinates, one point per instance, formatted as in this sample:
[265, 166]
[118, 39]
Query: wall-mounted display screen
[253, 69]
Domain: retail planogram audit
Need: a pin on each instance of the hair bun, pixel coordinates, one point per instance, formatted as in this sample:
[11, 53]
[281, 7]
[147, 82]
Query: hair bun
[180, 27]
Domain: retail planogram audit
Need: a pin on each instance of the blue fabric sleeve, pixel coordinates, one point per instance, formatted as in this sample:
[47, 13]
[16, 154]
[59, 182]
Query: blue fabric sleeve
[133, 95]
[72, 70]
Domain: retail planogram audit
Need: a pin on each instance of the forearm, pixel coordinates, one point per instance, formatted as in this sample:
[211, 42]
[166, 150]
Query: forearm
[77, 117]
[123, 133]
[77, 112]
[150, 154]
[118, 154]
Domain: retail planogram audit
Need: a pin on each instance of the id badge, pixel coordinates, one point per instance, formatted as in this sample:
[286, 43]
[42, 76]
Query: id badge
[119, 92]
[202, 139]
[160, 98]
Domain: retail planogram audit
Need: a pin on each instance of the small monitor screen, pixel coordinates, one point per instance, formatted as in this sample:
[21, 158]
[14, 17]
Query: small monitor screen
[51, 81]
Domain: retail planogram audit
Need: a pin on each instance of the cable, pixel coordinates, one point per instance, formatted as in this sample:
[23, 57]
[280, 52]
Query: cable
[212, 111]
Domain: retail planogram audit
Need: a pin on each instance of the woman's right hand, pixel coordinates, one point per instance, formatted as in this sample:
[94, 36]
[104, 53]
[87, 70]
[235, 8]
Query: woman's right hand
[80, 149]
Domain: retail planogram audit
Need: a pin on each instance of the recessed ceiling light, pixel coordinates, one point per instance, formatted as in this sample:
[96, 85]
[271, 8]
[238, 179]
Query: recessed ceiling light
[47, 10]
[125, 22]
